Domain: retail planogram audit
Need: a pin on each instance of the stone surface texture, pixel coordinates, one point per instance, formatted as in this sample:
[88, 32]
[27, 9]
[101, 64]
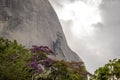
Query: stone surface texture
[34, 22]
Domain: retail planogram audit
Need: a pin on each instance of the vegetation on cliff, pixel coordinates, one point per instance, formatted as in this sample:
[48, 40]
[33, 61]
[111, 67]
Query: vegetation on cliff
[19, 63]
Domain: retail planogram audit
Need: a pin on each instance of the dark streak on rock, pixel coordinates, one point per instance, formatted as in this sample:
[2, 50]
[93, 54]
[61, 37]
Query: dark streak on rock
[57, 44]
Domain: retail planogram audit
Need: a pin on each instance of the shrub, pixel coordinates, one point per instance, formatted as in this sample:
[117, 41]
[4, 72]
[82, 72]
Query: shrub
[13, 59]
[110, 71]
[18, 63]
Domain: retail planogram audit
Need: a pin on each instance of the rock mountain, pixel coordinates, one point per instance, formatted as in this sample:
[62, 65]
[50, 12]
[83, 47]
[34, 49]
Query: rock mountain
[34, 22]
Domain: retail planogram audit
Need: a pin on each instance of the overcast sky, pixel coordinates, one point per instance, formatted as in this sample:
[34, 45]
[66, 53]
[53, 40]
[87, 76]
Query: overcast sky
[92, 29]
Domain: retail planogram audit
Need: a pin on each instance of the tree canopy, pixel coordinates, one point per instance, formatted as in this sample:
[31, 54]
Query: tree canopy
[110, 71]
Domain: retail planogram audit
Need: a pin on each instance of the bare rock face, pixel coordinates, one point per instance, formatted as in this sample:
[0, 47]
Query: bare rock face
[34, 22]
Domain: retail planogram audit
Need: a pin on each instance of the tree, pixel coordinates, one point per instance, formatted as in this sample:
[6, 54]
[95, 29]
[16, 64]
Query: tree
[110, 71]
[19, 63]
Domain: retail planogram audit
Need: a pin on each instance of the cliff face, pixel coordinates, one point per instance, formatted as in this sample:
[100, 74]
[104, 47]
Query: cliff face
[34, 22]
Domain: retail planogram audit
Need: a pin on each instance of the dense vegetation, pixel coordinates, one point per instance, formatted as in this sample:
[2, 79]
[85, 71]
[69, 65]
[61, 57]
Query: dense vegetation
[110, 71]
[18, 63]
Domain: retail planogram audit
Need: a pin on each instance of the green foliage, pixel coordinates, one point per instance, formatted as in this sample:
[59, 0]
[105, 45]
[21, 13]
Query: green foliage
[18, 63]
[61, 70]
[12, 61]
[110, 71]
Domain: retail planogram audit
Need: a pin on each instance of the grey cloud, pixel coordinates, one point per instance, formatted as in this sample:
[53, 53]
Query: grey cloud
[111, 12]
[111, 21]
[107, 37]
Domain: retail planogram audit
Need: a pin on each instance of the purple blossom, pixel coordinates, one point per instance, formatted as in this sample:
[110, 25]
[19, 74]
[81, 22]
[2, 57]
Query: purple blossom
[35, 67]
[35, 61]
[33, 64]
[40, 48]
[46, 62]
